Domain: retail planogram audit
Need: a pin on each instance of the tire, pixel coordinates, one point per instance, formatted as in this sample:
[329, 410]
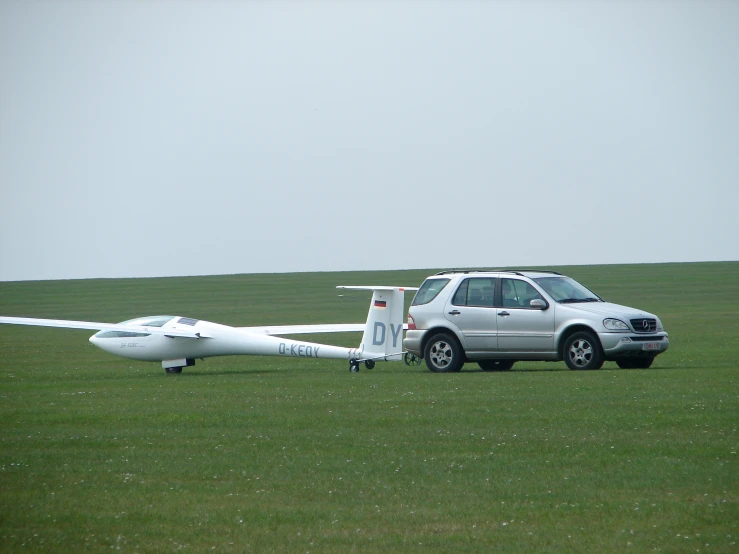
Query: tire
[644, 363]
[173, 370]
[582, 350]
[443, 354]
[496, 365]
[636, 363]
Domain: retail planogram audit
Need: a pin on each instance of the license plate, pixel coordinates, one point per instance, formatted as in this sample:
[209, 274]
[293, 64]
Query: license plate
[651, 346]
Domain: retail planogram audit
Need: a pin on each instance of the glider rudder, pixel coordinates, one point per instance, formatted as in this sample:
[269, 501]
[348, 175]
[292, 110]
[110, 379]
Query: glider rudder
[383, 331]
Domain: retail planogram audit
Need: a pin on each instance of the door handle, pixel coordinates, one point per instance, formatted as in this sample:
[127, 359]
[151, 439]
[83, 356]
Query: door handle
[503, 313]
[455, 312]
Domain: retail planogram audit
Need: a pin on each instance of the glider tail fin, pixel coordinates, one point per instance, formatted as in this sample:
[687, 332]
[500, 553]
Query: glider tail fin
[383, 332]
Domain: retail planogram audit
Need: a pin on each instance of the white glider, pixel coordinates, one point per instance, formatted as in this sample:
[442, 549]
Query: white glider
[177, 341]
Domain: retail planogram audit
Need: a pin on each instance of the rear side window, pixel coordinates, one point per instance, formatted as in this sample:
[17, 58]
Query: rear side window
[479, 291]
[428, 291]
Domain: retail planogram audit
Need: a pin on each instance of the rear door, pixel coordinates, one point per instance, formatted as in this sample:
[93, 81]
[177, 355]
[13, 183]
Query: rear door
[472, 309]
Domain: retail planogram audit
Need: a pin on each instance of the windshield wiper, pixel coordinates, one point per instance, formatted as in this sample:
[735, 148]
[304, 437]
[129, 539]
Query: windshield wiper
[578, 300]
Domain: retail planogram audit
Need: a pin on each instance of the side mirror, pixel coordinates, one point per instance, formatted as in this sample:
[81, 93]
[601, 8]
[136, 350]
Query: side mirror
[538, 303]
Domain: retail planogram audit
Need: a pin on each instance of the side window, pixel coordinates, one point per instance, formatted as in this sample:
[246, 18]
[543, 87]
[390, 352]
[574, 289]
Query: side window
[479, 291]
[429, 290]
[528, 294]
[460, 297]
[518, 294]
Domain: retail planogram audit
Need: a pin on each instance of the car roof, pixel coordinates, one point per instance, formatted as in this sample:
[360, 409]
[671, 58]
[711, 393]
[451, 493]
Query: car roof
[531, 273]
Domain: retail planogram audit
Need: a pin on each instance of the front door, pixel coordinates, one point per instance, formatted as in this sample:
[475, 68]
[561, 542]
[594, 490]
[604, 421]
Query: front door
[522, 328]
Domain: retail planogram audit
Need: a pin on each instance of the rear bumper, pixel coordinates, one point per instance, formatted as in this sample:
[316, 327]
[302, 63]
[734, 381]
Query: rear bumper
[413, 341]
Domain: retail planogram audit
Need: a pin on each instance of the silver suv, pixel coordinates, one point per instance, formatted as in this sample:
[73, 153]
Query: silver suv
[496, 318]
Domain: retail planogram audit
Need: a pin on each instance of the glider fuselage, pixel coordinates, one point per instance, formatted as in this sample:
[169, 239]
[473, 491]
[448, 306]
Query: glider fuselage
[215, 340]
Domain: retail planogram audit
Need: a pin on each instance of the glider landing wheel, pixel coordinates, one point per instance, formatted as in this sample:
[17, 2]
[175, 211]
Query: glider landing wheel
[172, 370]
[411, 359]
[353, 366]
[369, 364]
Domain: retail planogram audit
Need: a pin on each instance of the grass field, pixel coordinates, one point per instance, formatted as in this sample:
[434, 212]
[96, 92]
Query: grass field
[257, 454]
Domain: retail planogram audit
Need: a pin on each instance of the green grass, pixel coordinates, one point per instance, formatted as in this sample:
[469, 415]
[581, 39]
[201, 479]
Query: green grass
[257, 454]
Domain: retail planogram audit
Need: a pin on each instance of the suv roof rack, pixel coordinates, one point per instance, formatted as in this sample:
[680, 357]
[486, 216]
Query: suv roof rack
[513, 271]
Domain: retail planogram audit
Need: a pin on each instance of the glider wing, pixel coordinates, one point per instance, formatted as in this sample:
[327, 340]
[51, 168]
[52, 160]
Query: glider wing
[94, 326]
[306, 329]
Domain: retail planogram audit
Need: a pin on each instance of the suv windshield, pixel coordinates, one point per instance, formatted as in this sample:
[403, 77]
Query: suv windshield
[429, 290]
[566, 290]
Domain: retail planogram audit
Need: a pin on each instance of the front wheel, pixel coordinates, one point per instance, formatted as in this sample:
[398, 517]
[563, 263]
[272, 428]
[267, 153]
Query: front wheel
[496, 365]
[636, 363]
[582, 350]
[443, 354]
[644, 363]
[173, 370]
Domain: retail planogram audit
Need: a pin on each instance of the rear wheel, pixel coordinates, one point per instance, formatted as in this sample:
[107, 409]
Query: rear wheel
[496, 365]
[582, 351]
[443, 354]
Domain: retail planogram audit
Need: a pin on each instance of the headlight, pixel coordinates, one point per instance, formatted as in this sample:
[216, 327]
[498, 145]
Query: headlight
[615, 325]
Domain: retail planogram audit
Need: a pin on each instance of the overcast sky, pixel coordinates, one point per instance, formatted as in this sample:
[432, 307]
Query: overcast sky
[153, 137]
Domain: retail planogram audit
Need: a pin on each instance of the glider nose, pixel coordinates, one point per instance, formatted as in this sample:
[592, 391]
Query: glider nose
[101, 343]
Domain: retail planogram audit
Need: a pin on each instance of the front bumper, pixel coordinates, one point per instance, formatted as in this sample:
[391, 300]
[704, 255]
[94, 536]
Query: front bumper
[623, 345]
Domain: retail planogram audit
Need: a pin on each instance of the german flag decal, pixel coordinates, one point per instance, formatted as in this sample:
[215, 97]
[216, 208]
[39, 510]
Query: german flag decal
[380, 304]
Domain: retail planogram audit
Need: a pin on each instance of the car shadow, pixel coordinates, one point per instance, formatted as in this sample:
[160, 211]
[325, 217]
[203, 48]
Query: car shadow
[514, 369]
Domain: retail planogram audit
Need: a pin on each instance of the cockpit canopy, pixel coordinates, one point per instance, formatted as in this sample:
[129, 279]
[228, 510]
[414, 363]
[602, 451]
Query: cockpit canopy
[149, 321]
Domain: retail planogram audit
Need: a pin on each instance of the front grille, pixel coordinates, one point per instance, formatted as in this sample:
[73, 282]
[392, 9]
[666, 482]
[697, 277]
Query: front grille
[647, 339]
[644, 325]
